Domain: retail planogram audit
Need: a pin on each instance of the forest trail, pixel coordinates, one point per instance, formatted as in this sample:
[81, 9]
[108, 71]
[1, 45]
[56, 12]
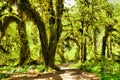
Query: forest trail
[64, 74]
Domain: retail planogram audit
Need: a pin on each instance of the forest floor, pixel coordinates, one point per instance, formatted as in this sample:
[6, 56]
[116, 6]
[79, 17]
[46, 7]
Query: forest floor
[64, 74]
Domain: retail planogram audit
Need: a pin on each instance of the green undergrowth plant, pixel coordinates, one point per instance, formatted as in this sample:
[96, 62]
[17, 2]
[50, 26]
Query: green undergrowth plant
[6, 71]
[3, 75]
[106, 70]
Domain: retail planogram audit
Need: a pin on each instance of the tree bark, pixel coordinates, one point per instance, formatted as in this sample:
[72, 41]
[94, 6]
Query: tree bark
[95, 42]
[25, 50]
[110, 55]
[83, 43]
[104, 43]
[3, 26]
[60, 52]
[25, 7]
[55, 30]
[48, 49]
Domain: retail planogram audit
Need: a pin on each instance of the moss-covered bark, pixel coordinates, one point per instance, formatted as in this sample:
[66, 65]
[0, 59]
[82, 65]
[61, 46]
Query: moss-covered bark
[32, 14]
[48, 49]
[55, 30]
[7, 19]
[83, 43]
[25, 50]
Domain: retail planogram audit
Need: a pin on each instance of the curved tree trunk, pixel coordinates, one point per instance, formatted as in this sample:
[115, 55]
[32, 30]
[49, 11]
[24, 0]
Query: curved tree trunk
[25, 7]
[3, 26]
[48, 49]
[2, 33]
[25, 49]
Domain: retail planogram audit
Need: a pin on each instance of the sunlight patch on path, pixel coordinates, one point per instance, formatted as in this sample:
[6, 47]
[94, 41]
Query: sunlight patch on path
[76, 74]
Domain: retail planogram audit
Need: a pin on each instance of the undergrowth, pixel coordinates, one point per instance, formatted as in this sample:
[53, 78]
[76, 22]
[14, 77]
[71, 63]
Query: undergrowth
[6, 71]
[106, 70]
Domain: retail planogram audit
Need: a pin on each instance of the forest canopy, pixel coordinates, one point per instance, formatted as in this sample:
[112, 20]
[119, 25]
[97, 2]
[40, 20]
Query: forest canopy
[51, 32]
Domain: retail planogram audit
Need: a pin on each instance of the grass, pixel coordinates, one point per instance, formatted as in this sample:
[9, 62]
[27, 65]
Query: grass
[3, 75]
[6, 71]
[109, 71]
[106, 70]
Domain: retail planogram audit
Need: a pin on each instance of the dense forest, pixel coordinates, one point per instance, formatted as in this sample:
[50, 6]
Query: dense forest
[42, 34]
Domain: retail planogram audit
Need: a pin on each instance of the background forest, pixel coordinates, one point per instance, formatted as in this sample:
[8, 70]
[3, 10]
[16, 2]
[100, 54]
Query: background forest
[40, 34]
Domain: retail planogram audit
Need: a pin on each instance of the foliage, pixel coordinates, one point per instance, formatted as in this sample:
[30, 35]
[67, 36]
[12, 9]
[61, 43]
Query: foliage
[2, 76]
[86, 34]
[111, 69]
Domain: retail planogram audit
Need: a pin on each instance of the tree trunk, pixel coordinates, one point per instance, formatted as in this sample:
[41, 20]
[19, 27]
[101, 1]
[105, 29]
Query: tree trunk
[25, 50]
[48, 49]
[3, 26]
[85, 51]
[55, 30]
[25, 6]
[53, 36]
[95, 43]
[104, 46]
[108, 49]
[110, 55]
[83, 43]
[60, 53]
[104, 43]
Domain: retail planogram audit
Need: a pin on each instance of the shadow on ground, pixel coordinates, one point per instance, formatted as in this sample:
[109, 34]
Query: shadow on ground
[64, 74]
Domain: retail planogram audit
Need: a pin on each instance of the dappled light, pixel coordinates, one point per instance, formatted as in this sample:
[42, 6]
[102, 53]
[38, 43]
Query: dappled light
[59, 39]
[65, 74]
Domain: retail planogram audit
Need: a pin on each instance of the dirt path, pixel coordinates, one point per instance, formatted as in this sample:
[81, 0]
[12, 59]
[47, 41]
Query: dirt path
[64, 74]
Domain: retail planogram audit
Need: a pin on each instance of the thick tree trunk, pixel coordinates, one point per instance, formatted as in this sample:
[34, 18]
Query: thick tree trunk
[25, 6]
[53, 36]
[52, 50]
[48, 49]
[55, 31]
[25, 50]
